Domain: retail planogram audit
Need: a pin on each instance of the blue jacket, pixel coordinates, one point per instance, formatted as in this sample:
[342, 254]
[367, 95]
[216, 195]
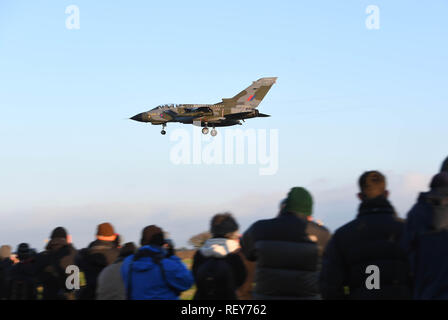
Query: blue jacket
[148, 282]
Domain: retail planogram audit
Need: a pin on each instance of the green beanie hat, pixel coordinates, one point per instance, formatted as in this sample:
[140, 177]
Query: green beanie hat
[444, 166]
[299, 200]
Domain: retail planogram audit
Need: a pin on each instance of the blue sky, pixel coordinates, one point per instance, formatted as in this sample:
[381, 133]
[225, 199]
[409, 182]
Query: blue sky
[347, 99]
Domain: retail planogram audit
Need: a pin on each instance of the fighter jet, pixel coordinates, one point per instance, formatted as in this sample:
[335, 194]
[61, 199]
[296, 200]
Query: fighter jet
[228, 112]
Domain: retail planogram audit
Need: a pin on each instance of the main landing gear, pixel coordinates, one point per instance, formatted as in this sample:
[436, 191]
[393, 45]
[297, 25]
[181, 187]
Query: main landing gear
[213, 132]
[163, 132]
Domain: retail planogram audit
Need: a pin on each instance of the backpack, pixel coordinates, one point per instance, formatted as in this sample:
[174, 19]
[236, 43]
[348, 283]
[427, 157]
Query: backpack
[214, 280]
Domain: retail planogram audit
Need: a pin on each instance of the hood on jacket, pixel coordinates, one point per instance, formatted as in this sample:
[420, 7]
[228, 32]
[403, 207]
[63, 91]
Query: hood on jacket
[219, 247]
[145, 262]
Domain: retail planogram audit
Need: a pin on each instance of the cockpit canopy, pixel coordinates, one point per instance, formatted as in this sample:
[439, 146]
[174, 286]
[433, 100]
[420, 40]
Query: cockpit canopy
[163, 106]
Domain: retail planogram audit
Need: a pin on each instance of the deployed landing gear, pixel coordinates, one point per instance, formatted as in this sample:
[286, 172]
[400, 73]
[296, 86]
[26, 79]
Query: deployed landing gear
[205, 130]
[163, 132]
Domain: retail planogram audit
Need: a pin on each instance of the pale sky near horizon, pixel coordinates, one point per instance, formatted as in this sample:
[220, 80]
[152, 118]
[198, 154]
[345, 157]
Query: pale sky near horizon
[347, 99]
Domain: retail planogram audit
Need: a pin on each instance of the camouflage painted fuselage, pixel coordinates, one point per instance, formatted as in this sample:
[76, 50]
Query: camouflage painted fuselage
[228, 112]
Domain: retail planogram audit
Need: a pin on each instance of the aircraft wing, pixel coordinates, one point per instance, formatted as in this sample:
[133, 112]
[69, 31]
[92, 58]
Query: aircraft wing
[246, 114]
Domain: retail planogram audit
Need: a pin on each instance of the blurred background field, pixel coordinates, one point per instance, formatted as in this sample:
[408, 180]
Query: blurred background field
[187, 259]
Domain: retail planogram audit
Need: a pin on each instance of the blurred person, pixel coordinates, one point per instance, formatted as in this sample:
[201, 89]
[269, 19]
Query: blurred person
[426, 238]
[98, 255]
[217, 266]
[287, 250]
[6, 264]
[371, 239]
[51, 265]
[110, 285]
[22, 284]
[152, 273]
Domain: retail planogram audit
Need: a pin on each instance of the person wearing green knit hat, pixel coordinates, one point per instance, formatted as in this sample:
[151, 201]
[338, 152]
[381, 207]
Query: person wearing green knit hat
[288, 250]
[299, 201]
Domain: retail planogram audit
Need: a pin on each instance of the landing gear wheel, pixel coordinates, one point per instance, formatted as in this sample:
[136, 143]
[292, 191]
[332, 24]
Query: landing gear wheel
[214, 132]
[163, 132]
[205, 130]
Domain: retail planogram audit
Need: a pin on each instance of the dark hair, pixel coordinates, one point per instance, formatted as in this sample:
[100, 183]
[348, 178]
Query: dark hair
[372, 184]
[152, 235]
[222, 224]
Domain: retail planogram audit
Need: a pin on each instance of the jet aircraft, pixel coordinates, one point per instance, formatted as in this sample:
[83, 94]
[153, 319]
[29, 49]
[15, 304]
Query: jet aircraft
[226, 113]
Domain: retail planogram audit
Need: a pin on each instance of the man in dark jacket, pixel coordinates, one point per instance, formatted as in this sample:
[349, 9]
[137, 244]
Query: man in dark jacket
[152, 273]
[218, 268]
[426, 239]
[287, 250]
[98, 255]
[372, 239]
[52, 263]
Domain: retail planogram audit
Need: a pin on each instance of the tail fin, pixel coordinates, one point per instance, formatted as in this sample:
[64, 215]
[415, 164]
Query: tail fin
[252, 95]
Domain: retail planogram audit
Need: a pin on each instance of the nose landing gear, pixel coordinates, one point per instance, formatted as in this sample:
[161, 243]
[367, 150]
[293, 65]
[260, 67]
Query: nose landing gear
[163, 132]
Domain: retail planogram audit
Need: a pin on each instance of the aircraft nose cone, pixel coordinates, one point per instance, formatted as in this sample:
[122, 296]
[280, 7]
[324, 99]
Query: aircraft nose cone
[137, 117]
[140, 117]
